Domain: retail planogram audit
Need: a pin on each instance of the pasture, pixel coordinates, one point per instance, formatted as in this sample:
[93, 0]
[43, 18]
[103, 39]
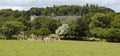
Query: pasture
[58, 48]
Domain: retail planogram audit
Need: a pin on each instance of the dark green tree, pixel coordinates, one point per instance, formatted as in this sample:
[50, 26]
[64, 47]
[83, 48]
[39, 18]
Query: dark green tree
[10, 28]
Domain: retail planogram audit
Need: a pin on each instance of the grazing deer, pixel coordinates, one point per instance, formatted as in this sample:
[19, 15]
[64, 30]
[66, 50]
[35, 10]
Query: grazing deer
[47, 39]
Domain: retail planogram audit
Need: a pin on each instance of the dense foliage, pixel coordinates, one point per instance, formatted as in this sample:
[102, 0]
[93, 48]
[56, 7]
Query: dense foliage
[94, 21]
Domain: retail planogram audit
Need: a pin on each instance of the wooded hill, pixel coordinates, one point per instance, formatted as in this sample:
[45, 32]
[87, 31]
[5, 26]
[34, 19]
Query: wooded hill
[95, 21]
[65, 10]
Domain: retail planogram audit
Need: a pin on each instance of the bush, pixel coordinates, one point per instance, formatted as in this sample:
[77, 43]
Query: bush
[100, 32]
[54, 35]
[113, 35]
[14, 37]
[110, 34]
[3, 36]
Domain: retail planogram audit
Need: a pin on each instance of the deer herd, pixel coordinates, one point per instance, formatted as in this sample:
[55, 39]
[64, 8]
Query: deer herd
[41, 38]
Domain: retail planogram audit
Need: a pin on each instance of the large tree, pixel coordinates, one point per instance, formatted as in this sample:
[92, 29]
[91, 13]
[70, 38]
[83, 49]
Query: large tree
[42, 22]
[10, 28]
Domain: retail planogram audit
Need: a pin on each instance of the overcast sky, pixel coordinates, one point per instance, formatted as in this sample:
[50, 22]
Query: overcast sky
[26, 4]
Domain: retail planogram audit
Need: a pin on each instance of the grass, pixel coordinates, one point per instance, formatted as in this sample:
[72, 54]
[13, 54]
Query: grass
[58, 48]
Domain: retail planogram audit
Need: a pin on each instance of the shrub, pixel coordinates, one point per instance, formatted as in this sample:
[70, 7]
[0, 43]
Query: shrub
[14, 37]
[3, 36]
[54, 35]
[113, 35]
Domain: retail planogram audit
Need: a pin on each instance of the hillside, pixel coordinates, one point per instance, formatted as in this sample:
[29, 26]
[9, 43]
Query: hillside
[65, 10]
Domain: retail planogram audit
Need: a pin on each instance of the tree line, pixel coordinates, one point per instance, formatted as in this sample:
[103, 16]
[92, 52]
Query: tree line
[95, 21]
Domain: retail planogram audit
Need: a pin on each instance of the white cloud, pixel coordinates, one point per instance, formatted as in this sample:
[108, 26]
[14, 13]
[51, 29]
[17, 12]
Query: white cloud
[26, 4]
[111, 2]
[14, 7]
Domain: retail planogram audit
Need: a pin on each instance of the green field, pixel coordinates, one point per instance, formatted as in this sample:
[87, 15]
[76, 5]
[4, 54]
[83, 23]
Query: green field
[58, 48]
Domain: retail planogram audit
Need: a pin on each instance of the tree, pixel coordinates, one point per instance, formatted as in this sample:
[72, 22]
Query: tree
[113, 35]
[77, 27]
[40, 22]
[100, 20]
[87, 20]
[105, 26]
[6, 12]
[116, 22]
[10, 28]
[43, 31]
[81, 27]
[100, 33]
[2, 36]
[35, 11]
[71, 29]
[62, 30]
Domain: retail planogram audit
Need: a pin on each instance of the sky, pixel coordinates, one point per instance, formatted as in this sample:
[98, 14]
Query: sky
[27, 4]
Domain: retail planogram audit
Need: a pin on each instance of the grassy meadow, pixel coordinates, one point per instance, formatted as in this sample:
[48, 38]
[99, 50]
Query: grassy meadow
[58, 48]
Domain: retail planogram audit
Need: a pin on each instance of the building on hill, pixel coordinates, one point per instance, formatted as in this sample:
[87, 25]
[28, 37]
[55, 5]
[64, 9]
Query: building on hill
[59, 18]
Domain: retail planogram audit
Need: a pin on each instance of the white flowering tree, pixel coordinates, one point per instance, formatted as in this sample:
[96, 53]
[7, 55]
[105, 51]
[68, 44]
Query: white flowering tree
[62, 30]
